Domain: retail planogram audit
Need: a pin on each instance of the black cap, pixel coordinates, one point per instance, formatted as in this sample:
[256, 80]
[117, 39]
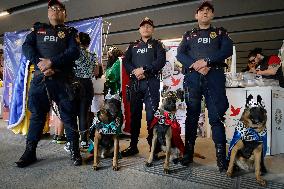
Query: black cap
[205, 4]
[146, 20]
[56, 2]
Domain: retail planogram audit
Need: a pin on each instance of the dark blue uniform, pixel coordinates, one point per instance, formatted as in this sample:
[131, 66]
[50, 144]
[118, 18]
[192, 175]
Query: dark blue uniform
[59, 45]
[152, 57]
[214, 46]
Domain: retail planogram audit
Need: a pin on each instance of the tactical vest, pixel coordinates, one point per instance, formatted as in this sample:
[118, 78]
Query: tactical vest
[51, 41]
[204, 43]
[143, 54]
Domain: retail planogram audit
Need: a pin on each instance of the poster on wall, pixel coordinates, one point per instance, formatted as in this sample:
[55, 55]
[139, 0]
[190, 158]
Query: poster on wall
[173, 78]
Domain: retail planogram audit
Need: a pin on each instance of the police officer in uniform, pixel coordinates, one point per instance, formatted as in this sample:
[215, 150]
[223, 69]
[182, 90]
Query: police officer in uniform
[202, 53]
[143, 61]
[52, 48]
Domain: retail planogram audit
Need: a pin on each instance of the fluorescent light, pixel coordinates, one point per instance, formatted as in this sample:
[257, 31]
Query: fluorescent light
[4, 13]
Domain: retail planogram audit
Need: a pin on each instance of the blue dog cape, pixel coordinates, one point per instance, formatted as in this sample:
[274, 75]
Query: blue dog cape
[248, 134]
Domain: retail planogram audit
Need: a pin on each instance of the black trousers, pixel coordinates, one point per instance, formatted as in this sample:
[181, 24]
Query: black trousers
[84, 102]
[39, 105]
[149, 94]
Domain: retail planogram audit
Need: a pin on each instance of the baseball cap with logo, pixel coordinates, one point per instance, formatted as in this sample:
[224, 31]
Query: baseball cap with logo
[146, 20]
[205, 4]
[56, 2]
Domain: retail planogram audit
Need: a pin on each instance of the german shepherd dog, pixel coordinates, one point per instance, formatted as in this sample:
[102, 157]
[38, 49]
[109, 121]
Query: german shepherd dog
[247, 152]
[107, 126]
[162, 130]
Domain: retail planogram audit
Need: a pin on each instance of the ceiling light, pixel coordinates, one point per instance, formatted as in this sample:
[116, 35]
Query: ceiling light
[4, 13]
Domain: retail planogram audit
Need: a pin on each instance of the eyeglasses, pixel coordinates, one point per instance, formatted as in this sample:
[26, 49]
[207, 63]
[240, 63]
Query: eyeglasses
[54, 8]
[253, 60]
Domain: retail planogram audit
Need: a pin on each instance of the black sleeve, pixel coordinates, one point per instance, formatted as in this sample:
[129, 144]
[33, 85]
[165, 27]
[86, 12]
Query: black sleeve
[127, 60]
[29, 48]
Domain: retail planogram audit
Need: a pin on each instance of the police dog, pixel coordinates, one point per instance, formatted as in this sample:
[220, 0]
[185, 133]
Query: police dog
[163, 130]
[107, 125]
[246, 151]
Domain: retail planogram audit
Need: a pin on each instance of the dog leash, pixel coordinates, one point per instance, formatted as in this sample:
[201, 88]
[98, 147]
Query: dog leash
[56, 111]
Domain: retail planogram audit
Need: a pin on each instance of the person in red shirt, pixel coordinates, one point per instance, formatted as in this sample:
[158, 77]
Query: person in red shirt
[267, 66]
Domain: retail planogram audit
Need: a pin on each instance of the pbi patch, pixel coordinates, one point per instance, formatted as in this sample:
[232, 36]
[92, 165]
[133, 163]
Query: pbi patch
[150, 46]
[41, 31]
[213, 35]
[61, 34]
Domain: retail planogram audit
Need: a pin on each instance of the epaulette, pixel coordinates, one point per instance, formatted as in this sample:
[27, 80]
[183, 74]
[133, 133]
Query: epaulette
[222, 31]
[71, 30]
[38, 25]
[161, 43]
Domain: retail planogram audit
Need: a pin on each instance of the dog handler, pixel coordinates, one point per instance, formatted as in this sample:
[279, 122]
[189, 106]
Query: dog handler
[143, 61]
[52, 49]
[202, 53]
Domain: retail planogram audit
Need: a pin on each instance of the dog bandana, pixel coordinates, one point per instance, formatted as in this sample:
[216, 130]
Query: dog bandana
[107, 129]
[248, 135]
[169, 119]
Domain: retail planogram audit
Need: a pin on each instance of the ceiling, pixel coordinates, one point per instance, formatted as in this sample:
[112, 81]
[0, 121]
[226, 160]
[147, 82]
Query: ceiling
[250, 23]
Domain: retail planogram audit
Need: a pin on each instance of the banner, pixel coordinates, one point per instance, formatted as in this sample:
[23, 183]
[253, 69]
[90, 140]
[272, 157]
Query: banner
[16, 65]
[173, 78]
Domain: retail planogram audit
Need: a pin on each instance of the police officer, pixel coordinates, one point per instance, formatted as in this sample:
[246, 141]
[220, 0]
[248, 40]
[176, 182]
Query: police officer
[202, 53]
[143, 61]
[52, 48]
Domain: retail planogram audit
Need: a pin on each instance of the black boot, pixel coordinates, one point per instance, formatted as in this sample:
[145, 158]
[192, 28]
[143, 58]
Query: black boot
[75, 153]
[222, 162]
[29, 155]
[130, 151]
[188, 155]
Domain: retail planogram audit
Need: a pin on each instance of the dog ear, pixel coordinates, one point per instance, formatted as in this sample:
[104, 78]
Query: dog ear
[259, 101]
[249, 98]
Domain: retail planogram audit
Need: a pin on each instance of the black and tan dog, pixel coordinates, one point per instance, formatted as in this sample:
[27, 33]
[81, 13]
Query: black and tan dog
[107, 128]
[249, 142]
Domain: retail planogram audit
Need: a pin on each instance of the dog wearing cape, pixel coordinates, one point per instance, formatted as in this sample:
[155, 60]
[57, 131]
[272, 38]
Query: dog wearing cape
[248, 146]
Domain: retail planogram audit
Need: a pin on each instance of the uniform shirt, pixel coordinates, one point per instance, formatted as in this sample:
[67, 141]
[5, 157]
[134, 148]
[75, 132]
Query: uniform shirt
[212, 44]
[150, 55]
[55, 43]
[85, 65]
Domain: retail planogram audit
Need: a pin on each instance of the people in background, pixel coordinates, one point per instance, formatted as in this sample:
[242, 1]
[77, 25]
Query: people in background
[267, 66]
[112, 73]
[84, 72]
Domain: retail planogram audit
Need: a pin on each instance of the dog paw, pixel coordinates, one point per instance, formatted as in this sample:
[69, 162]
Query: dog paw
[166, 171]
[148, 164]
[115, 168]
[95, 168]
[262, 182]
[229, 174]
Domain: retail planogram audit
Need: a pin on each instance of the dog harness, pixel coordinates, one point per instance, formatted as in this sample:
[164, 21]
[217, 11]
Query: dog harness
[250, 138]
